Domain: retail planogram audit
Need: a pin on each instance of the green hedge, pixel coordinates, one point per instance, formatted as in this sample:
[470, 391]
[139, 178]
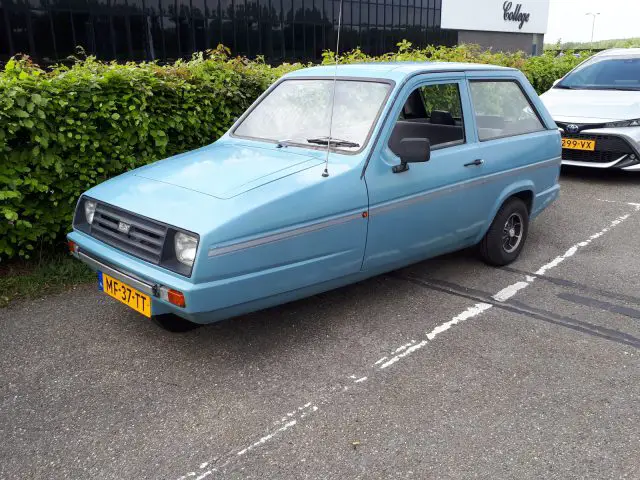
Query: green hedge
[63, 131]
[67, 129]
[541, 70]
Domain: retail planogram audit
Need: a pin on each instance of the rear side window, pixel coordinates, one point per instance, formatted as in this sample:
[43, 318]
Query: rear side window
[502, 109]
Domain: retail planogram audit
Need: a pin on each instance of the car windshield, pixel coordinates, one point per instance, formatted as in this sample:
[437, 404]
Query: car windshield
[605, 73]
[299, 112]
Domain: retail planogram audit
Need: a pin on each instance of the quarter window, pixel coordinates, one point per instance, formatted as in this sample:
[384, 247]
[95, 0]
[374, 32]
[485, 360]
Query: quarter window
[433, 112]
[502, 110]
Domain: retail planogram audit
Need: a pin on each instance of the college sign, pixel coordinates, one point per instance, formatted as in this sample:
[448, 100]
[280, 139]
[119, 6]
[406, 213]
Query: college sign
[516, 15]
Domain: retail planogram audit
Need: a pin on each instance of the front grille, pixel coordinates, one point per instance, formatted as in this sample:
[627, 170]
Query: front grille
[587, 156]
[608, 148]
[145, 238]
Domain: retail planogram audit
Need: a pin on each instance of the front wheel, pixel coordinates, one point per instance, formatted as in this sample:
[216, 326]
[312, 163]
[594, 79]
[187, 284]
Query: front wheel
[173, 323]
[505, 238]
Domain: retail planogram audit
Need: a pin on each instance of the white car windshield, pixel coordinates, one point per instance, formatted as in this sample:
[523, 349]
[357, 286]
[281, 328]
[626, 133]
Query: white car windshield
[299, 112]
[605, 73]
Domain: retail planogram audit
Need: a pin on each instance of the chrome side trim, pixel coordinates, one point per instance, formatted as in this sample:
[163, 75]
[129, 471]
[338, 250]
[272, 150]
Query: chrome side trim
[420, 197]
[575, 163]
[632, 167]
[276, 237]
[144, 287]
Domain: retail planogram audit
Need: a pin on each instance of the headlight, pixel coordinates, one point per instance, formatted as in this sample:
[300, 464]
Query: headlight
[89, 210]
[185, 246]
[624, 123]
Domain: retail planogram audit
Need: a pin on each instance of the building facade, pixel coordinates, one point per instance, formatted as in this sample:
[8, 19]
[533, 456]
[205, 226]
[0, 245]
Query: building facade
[503, 25]
[279, 30]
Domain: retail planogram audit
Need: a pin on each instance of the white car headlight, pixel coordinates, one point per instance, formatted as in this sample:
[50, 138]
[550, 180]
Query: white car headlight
[89, 210]
[186, 246]
[624, 123]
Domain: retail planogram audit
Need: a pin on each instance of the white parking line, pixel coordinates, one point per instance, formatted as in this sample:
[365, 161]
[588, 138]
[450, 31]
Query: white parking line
[507, 292]
[633, 204]
[268, 437]
[379, 361]
[408, 349]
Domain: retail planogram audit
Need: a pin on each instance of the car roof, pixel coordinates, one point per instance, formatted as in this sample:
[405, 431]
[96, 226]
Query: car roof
[391, 70]
[614, 52]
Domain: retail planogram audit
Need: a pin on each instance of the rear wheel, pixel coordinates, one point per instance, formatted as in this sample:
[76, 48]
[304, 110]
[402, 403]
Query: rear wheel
[506, 236]
[173, 323]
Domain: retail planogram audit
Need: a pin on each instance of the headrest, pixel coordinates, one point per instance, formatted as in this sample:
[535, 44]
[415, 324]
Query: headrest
[441, 117]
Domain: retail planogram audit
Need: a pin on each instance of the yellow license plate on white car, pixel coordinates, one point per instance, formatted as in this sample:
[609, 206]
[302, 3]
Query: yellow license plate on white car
[122, 292]
[578, 144]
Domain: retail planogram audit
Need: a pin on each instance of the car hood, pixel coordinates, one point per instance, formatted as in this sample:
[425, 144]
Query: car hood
[591, 106]
[225, 170]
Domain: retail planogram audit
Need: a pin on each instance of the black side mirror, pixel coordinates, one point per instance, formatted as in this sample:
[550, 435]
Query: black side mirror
[412, 150]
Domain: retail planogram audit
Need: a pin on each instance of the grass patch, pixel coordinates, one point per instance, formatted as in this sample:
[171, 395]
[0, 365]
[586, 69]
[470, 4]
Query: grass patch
[24, 280]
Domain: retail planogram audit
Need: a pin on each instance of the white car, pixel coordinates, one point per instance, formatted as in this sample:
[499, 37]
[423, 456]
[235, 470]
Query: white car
[597, 107]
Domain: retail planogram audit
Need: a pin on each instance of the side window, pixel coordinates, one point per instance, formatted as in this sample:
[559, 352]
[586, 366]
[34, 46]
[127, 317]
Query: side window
[502, 109]
[433, 112]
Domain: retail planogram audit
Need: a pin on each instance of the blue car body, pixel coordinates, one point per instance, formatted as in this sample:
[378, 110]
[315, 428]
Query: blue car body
[271, 228]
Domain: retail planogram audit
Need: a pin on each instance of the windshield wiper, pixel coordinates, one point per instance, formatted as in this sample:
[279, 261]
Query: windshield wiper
[336, 142]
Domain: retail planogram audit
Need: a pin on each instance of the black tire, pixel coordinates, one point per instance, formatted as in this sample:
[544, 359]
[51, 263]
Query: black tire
[500, 246]
[173, 323]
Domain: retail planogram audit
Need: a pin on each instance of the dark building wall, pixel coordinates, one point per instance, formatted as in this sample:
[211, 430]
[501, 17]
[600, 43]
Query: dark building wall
[529, 43]
[49, 30]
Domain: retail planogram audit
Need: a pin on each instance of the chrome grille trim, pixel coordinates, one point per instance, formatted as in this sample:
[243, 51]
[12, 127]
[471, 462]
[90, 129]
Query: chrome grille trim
[145, 238]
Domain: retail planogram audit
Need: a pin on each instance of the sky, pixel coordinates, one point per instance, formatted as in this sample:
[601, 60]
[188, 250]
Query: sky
[617, 19]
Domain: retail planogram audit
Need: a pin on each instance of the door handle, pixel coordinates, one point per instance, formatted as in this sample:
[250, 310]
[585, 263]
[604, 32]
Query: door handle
[477, 162]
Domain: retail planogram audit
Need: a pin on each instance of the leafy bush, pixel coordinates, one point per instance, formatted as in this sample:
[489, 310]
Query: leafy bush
[541, 71]
[64, 130]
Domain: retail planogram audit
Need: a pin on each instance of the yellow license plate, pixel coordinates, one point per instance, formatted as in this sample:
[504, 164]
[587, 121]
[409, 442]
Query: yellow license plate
[578, 144]
[140, 302]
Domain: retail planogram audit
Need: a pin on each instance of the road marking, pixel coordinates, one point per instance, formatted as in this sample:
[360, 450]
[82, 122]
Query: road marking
[302, 412]
[508, 292]
[380, 361]
[633, 204]
[503, 295]
[573, 249]
[268, 437]
[402, 347]
[470, 312]
[408, 349]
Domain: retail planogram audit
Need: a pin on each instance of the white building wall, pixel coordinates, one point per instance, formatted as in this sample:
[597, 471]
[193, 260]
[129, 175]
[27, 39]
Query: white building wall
[514, 16]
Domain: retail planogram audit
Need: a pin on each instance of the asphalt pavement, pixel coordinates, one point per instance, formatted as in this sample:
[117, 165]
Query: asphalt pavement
[445, 369]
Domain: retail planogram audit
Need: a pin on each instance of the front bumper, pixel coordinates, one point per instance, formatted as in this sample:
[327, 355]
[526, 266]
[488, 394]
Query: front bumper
[97, 265]
[615, 148]
[140, 275]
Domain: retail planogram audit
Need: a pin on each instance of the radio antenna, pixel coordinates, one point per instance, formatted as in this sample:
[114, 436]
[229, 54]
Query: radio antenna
[333, 94]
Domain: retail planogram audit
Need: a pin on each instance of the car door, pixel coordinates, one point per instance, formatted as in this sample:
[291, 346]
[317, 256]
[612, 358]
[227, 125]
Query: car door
[520, 152]
[428, 209]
